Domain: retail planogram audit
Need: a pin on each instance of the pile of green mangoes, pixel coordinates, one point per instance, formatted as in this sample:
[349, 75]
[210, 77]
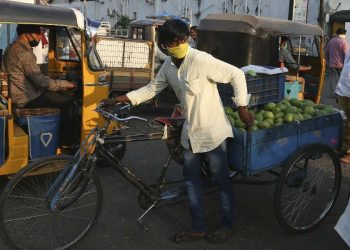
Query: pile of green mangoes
[275, 114]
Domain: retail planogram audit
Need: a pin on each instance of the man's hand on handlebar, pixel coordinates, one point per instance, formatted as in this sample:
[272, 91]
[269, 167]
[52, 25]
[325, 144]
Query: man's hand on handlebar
[112, 101]
[107, 102]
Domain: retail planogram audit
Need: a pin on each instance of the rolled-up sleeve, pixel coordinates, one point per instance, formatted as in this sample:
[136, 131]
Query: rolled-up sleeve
[221, 72]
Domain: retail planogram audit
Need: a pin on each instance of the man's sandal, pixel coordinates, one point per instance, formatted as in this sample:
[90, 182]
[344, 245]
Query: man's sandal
[188, 236]
[220, 235]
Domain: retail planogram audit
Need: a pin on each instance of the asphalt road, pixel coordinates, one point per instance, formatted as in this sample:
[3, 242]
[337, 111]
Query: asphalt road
[256, 226]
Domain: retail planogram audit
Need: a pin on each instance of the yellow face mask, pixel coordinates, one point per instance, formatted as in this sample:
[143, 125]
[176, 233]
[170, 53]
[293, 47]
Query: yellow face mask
[178, 52]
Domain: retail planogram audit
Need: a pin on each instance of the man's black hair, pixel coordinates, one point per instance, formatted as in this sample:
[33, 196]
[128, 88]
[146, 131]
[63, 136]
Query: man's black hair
[341, 31]
[284, 39]
[26, 28]
[195, 28]
[172, 30]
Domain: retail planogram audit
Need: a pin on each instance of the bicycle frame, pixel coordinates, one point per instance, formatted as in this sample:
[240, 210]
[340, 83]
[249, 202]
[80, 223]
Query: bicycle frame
[95, 142]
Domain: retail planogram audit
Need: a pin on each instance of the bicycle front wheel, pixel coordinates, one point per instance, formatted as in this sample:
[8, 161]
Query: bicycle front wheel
[26, 221]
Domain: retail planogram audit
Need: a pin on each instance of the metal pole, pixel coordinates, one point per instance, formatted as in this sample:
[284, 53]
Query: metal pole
[298, 56]
[84, 8]
[8, 34]
[321, 16]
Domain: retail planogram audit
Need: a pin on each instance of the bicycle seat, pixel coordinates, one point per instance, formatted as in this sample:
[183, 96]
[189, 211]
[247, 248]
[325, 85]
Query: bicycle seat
[170, 121]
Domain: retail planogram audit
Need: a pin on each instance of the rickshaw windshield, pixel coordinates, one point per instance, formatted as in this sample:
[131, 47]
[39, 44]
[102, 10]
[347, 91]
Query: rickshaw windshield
[68, 44]
[309, 45]
[69, 48]
[94, 60]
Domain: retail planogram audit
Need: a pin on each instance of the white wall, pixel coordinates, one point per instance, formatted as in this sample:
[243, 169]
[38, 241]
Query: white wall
[24, 1]
[189, 8]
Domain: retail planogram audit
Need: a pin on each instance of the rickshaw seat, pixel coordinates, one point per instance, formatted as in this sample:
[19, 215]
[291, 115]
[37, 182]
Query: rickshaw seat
[171, 121]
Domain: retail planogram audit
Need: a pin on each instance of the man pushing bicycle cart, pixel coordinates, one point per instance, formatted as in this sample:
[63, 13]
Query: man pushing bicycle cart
[193, 75]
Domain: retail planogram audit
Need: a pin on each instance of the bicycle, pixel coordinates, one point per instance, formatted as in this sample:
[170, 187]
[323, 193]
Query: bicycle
[66, 191]
[64, 186]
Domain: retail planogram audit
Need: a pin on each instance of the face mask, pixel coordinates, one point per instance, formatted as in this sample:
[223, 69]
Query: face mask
[33, 43]
[178, 52]
[342, 36]
[285, 46]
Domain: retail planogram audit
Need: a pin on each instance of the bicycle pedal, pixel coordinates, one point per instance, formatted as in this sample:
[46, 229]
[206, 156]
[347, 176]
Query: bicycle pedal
[144, 226]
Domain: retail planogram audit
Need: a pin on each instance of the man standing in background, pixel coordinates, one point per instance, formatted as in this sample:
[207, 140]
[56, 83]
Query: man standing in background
[192, 40]
[335, 52]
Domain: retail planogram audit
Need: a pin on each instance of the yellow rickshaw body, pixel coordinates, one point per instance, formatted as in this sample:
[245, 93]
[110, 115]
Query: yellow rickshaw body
[94, 83]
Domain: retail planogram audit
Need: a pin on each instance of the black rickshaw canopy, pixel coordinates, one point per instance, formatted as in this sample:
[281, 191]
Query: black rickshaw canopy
[15, 12]
[257, 25]
[340, 16]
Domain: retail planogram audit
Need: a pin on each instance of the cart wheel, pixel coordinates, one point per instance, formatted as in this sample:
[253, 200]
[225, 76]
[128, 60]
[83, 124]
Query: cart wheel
[307, 188]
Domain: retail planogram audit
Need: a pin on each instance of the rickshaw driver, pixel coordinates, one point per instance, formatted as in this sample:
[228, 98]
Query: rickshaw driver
[286, 57]
[193, 75]
[29, 87]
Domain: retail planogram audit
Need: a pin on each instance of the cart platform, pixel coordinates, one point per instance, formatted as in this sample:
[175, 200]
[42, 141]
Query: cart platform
[254, 151]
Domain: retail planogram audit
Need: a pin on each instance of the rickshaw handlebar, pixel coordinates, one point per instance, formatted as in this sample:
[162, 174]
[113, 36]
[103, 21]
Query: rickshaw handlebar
[118, 112]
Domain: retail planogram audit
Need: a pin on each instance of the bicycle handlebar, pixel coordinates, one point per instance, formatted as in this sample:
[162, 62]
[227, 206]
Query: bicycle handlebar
[117, 111]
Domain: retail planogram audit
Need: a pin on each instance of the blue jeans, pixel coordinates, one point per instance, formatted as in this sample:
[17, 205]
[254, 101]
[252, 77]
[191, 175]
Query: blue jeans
[219, 169]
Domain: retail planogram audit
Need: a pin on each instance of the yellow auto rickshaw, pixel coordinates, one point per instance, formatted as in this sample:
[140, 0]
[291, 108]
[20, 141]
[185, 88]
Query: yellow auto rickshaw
[71, 55]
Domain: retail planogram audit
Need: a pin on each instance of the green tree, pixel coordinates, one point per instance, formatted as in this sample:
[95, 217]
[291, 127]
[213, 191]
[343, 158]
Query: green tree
[123, 22]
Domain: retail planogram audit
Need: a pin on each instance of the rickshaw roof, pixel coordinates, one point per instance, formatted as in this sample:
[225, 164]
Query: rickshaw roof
[24, 13]
[257, 25]
[147, 22]
[340, 16]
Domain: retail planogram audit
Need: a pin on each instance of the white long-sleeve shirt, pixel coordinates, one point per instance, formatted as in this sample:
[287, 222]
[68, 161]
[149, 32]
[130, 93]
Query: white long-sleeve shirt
[343, 86]
[194, 83]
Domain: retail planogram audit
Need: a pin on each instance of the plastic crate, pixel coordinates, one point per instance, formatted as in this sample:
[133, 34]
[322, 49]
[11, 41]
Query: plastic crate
[263, 89]
[256, 151]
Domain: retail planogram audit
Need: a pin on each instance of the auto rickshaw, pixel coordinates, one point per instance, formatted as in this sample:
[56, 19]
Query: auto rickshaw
[71, 55]
[338, 19]
[243, 40]
[144, 29]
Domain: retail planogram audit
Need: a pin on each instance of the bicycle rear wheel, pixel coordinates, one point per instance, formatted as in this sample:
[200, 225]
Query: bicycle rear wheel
[26, 221]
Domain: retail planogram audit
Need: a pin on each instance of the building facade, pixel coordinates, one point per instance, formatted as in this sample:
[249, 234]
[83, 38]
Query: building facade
[195, 10]
[111, 10]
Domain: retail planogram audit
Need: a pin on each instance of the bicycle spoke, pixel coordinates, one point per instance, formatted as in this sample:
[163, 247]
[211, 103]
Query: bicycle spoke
[28, 217]
[308, 192]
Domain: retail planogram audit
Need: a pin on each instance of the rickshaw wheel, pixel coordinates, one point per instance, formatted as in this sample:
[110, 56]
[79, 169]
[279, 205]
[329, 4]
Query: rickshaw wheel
[307, 188]
[27, 222]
